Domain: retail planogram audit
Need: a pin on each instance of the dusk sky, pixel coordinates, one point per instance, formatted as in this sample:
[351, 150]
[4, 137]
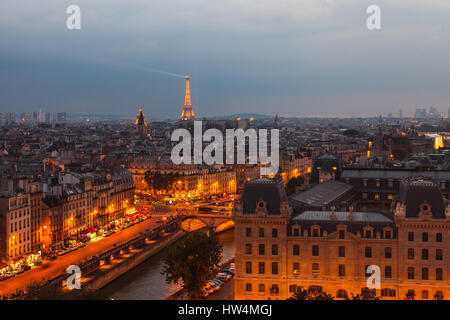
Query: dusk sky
[295, 58]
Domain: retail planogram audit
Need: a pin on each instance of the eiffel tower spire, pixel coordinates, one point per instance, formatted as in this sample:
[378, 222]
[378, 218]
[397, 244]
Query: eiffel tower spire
[188, 112]
[187, 99]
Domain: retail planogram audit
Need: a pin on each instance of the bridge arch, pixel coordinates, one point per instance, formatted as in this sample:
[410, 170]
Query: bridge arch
[192, 222]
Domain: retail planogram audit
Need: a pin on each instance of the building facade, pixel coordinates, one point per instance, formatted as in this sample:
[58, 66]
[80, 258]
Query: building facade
[15, 227]
[277, 252]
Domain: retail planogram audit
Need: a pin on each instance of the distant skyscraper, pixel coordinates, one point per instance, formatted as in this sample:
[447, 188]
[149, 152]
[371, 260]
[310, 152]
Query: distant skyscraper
[3, 118]
[421, 113]
[11, 117]
[61, 116]
[188, 112]
[400, 113]
[141, 124]
[277, 121]
[434, 113]
[448, 113]
[48, 117]
[41, 116]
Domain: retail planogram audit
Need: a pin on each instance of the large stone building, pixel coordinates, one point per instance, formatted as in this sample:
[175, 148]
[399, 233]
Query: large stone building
[382, 185]
[277, 252]
[14, 225]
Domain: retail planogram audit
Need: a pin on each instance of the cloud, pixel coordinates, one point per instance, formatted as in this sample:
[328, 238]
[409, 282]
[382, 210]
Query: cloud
[243, 53]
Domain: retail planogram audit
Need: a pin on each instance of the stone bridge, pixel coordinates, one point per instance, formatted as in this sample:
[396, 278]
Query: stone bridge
[214, 222]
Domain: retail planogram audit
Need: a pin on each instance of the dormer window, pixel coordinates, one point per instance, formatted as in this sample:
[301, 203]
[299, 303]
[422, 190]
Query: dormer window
[368, 233]
[425, 209]
[315, 231]
[388, 233]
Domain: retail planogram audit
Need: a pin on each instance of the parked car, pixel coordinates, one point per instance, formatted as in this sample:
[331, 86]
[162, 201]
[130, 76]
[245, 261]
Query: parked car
[224, 275]
[20, 270]
[228, 271]
[218, 282]
[26, 267]
[52, 257]
[208, 288]
[215, 286]
[4, 277]
[204, 294]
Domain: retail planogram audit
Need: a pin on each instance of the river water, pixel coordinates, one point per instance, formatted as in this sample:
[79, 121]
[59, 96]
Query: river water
[145, 282]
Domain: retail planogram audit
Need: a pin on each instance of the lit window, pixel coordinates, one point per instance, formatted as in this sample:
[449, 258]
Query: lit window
[296, 268]
[315, 269]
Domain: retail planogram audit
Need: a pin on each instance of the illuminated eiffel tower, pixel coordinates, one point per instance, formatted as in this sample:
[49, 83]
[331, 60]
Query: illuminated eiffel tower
[188, 112]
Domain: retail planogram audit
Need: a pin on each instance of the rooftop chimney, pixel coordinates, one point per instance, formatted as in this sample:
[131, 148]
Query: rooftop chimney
[333, 215]
[351, 213]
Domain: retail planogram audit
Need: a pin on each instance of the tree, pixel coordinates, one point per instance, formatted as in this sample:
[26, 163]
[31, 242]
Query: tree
[161, 182]
[192, 261]
[302, 294]
[39, 292]
[323, 296]
[294, 182]
[366, 294]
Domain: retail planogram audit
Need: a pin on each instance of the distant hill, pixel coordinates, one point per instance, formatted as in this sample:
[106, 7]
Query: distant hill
[99, 116]
[256, 116]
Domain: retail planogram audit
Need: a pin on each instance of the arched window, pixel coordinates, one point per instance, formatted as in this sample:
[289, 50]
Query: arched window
[342, 294]
[411, 295]
[424, 294]
[439, 295]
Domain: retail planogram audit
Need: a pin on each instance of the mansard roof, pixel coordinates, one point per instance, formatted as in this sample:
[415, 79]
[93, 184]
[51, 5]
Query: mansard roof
[416, 191]
[360, 220]
[268, 190]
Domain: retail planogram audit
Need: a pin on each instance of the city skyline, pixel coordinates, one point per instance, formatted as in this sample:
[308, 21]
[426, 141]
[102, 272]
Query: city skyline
[316, 58]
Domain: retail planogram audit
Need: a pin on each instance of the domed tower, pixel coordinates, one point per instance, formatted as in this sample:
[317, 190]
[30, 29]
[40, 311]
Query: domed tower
[188, 112]
[141, 124]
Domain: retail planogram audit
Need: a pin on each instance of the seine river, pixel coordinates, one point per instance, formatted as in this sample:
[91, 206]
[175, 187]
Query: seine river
[145, 282]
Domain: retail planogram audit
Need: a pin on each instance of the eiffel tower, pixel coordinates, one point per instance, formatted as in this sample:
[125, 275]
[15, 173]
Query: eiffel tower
[188, 112]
